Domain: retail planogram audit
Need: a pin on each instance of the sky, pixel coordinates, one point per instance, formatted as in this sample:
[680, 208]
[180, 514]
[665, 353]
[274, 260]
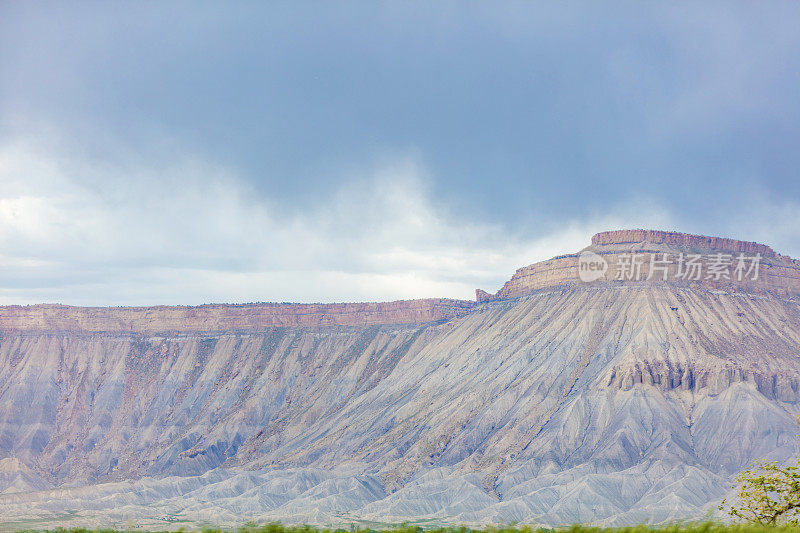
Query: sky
[195, 152]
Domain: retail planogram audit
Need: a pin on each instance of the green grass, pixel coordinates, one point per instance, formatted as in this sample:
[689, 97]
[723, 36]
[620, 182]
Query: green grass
[692, 527]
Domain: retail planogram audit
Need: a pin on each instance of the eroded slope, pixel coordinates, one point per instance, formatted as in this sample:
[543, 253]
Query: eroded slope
[597, 402]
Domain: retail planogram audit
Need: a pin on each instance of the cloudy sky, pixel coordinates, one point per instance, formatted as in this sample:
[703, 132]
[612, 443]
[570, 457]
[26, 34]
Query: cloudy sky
[182, 153]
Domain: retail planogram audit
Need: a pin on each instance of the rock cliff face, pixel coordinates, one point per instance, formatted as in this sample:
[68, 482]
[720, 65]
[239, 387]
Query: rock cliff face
[682, 240]
[646, 256]
[610, 401]
[211, 318]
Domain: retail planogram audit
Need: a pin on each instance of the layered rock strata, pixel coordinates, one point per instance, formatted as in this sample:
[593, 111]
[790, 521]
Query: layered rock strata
[646, 256]
[225, 317]
[602, 403]
[555, 401]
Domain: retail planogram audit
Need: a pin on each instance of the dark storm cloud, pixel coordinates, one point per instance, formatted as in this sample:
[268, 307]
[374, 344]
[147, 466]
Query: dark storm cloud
[523, 120]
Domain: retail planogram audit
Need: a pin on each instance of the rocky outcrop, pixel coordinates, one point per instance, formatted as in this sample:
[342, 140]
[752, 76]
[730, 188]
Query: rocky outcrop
[220, 317]
[683, 240]
[482, 296]
[647, 257]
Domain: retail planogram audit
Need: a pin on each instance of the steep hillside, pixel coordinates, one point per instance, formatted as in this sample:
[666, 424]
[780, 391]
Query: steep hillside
[610, 401]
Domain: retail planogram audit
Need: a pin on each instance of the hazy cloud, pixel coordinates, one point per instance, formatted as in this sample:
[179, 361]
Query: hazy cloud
[187, 231]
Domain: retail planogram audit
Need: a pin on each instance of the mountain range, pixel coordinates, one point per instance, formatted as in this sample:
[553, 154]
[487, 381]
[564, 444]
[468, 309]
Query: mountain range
[624, 383]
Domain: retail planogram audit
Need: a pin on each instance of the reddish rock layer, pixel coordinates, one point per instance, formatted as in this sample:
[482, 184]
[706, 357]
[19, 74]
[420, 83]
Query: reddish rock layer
[220, 317]
[682, 240]
[777, 273]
